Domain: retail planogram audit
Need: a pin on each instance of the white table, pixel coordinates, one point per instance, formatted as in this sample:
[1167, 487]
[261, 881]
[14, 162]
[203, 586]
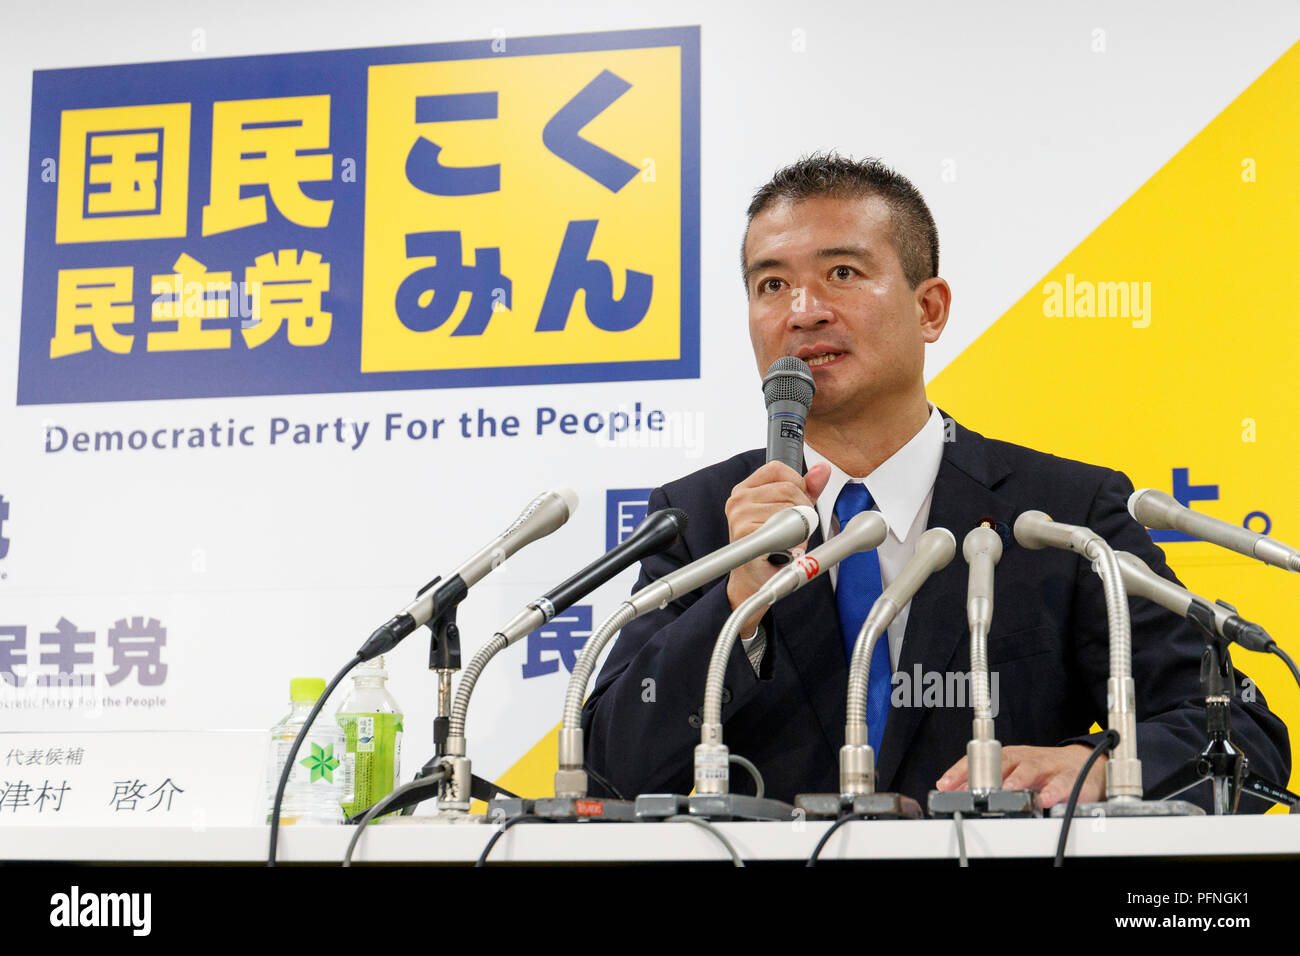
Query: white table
[413, 840]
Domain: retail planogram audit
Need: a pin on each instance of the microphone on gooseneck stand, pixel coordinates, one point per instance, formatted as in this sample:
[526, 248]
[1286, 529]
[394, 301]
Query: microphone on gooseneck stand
[540, 517]
[1220, 761]
[1124, 794]
[785, 529]
[1155, 509]
[656, 533]
[788, 390]
[712, 797]
[984, 795]
[857, 795]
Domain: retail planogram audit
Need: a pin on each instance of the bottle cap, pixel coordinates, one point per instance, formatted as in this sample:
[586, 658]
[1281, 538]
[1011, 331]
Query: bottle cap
[306, 690]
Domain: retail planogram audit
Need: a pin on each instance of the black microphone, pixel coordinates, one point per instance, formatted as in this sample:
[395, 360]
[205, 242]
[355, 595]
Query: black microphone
[788, 390]
[656, 533]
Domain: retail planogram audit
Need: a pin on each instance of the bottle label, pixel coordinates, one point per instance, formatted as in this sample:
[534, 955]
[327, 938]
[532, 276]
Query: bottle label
[374, 743]
[365, 735]
[323, 774]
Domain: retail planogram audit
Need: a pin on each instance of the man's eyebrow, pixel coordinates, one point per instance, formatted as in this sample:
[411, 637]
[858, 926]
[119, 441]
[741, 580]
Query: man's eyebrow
[836, 252]
[760, 265]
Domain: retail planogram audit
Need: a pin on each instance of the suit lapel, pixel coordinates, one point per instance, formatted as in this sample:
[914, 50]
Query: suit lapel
[936, 622]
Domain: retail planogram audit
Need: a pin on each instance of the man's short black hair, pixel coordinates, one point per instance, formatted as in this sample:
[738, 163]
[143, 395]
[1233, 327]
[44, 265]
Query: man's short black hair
[915, 238]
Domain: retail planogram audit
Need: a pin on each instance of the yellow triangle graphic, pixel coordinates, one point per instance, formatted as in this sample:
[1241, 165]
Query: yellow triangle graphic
[533, 774]
[1169, 339]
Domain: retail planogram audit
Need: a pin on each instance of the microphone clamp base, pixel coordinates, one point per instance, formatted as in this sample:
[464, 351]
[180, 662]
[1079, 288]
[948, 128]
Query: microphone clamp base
[565, 809]
[985, 803]
[871, 806]
[713, 806]
[1130, 807]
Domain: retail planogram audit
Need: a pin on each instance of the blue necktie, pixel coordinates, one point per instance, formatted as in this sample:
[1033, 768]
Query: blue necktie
[857, 587]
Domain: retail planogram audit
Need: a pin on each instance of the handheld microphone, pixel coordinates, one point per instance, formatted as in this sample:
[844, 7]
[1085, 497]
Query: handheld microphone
[788, 390]
[1155, 509]
[543, 515]
[1140, 580]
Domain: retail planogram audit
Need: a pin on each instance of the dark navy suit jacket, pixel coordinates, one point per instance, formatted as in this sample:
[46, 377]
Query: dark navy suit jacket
[1047, 646]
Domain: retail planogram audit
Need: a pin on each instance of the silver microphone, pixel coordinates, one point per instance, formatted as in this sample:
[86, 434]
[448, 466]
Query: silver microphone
[543, 515]
[982, 550]
[1036, 530]
[864, 532]
[785, 529]
[1140, 580]
[934, 550]
[1155, 509]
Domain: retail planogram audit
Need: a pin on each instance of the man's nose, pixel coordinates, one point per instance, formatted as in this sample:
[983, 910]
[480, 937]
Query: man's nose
[808, 309]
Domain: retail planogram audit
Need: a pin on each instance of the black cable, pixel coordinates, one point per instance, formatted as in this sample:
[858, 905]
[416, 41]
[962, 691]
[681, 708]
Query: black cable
[1109, 741]
[506, 825]
[712, 830]
[845, 818]
[603, 782]
[1287, 658]
[428, 781]
[293, 754]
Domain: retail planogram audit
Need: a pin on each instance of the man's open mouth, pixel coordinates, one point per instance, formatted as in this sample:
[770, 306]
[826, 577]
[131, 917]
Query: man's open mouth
[822, 358]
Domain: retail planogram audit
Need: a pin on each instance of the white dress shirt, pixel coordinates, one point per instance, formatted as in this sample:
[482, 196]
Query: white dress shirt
[902, 488]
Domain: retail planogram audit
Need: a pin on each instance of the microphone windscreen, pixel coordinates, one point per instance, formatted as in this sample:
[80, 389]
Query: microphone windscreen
[789, 379]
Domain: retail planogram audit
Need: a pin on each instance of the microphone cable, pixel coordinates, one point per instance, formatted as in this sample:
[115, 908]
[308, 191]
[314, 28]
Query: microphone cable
[706, 825]
[293, 754]
[1286, 659]
[1109, 740]
[506, 825]
[753, 772]
[429, 780]
[617, 794]
[961, 840]
[844, 818]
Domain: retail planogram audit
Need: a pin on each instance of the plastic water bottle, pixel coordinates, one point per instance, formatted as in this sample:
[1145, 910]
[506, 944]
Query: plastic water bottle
[372, 723]
[321, 779]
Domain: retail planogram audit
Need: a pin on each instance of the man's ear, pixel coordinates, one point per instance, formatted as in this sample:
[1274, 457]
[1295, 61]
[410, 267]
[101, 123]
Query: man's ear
[933, 299]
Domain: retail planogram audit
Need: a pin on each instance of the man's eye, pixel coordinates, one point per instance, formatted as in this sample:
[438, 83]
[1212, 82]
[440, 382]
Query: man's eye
[769, 285]
[843, 272]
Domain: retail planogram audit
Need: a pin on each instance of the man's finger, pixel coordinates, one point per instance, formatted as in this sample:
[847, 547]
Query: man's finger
[816, 480]
[772, 471]
[954, 778]
[1027, 775]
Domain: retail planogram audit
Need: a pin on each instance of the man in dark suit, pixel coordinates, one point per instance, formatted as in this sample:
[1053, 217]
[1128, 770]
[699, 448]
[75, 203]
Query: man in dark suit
[841, 270]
